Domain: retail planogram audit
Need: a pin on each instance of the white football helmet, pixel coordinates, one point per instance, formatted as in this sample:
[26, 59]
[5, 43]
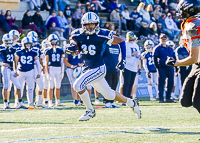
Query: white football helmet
[45, 44]
[148, 42]
[90, 17]
[77, 72]
[26, 40]
[53, 37]
[14, 33]
[171, 44]
[7, 40]
[32, 34]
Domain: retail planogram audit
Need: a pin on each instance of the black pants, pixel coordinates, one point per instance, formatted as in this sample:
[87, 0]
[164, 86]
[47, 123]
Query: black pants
[130, 24]
[184, 72]
[190, 94]
[112, 78]
[44, 30]
[129, 78]
[163, 74]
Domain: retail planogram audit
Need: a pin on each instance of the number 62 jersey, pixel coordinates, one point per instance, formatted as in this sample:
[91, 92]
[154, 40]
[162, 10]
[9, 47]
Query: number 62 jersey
[92, 46]
[191, 33]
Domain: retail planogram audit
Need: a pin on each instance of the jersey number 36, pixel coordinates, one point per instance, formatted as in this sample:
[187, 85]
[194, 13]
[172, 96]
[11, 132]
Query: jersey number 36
[88, 49]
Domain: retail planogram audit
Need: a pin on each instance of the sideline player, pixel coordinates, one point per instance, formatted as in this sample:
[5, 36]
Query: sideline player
[24, 60]
[7, 56]
[191, 35]
[55, 69]
[149, 67]
[92, 40]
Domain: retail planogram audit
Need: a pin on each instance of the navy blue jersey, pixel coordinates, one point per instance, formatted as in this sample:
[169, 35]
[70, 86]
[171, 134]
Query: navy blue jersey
[150, 62]
[7, 55]
[55, 57]
[26, 60]
[38, 51]
[17, 46]
[73, 60]
[37, 45]
[111, 55]
[92, 46]
[181, 52]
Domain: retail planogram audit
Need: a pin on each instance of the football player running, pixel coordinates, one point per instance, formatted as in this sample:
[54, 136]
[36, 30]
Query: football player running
[190, 94]
[150, 68]
[92, 40]
[7, 56]
[25, 60]
[55, 69]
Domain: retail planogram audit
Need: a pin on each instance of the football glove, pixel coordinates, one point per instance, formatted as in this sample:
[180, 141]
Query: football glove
[72, 48]
[170, 61]
[121, 65]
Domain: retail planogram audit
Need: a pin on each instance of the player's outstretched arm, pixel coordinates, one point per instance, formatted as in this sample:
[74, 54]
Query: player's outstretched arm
[191, 59]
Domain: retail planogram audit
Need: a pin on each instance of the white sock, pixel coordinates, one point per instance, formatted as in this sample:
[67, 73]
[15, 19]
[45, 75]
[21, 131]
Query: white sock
[172, 94]
[50, 102]
[16, 100]
[86, 100]
[6, 103]
[45, 99]
[20, 103]
[156, 87]
[30, 96]
[57, 101]
[130, 102]
[36, 98]
[39, 98]
[8, 100]
[150, 91]
[133, 96]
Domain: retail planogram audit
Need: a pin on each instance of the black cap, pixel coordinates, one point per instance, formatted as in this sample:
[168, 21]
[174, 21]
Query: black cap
[163, 36]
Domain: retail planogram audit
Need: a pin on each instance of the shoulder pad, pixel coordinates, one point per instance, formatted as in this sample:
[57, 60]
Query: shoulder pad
[77, 32]
[144, 54]
[105, 33]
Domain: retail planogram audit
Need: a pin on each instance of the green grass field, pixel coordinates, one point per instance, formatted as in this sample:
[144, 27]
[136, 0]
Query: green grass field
[160, 123]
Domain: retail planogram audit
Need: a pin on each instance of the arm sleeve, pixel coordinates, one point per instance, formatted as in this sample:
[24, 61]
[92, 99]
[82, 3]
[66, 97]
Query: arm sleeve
[145, 65]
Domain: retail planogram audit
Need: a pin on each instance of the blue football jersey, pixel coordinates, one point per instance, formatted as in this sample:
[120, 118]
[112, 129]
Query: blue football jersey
[150, 62]
[7, 55]
[73, 60]
[37, 45]
[111, 55]
[55, 57]
[26, 59]
[17, 46]
[38, 51]
[92, 46]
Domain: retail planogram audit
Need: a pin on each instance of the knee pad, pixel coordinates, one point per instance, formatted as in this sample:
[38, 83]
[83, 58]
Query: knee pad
[77, 86]
[40, 84]
[89, 87]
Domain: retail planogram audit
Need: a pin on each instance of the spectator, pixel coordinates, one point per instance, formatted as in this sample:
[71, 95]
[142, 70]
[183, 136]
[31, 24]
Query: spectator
[97, 4]
[174, 4]
[129, 21]
[164, 4]
[45, 6]
[172, 27]
[157, 14]
[121, 6]
[64, 24]
[3, 23]
[150, 10]
[164, 27]
[115, 16]
[160, 54]
[87, 7]
[166, 10]
[38, 20]
[10, 20]
[159, 29]
[27, 22]
[106, 4]
[157, 3]
[67, 11]
[52, 18]
[175, 18]
[136, 18]
[143, 11]
[93, 9]
[106, 26]
[145, 30]
[149, 2]
[154, 36]
[54, 29]
[76, 18]
[113, 5]
[153, 27]
[34, 4]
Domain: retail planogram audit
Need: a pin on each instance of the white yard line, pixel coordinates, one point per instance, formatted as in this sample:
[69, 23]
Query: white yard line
[40, 128]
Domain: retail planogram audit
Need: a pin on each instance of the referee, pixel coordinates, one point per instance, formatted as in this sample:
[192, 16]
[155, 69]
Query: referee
[160, 54]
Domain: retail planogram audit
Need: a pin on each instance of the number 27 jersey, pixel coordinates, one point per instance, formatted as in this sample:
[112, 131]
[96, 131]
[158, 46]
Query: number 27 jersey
[92, 46]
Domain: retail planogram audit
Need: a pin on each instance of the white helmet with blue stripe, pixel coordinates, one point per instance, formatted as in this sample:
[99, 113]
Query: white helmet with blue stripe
[7, 40]
[53, 37]
[88, 18]
[32, 34]
[45, 44]
[147, 48]
[171, 44]
[26, 40]
[14, 33]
